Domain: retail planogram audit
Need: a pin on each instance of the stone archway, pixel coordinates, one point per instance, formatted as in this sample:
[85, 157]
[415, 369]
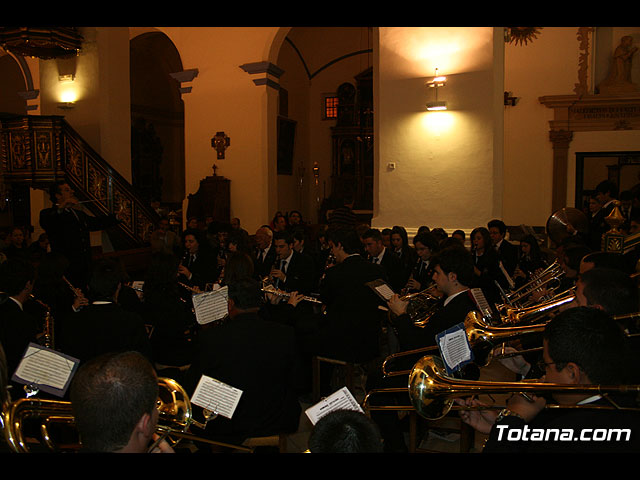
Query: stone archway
[157, 119]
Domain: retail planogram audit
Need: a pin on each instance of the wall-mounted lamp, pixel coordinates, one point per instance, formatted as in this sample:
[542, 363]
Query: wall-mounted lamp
[67, 78]
[66, 105]
[437, 82]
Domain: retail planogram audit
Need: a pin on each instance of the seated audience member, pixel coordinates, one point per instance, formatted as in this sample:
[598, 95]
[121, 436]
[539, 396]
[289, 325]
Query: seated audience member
[345, 431]
[17, 327]
[113, 398]
[256, 356]
[103, 326]
[582, 346]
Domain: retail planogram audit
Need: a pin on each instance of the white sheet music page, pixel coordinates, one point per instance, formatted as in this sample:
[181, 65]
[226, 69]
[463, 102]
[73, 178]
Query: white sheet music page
[339, 400]
[216, 396]
[211, 306]
[454, 348]
[50, 370]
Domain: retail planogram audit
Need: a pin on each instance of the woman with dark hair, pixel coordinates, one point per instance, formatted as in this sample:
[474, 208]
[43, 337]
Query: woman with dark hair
[239, 267]
[486, 263]
[407, 254]
[167, 310]
[17, 244]
[531, 260]
[199, 264]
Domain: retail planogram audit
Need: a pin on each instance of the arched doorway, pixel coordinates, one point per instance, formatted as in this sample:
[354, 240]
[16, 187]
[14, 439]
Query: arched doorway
[157, 120]
[12, 82]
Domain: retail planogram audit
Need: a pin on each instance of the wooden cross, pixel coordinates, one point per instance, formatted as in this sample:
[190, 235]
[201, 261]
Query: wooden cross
[220, 142]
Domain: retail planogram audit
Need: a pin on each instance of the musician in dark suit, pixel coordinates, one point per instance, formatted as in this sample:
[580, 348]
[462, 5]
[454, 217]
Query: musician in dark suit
[265, 252]
[426, 245]
[581, 346]
[508, 252]
[452, 274]
[199, 264]
[256, 356]
[292, 271]
[68, 231]
[17, 327]
[385, 257]
[351, 326]
[103, 326]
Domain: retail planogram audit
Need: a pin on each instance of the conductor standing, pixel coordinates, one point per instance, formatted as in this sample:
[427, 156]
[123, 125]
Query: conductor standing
[68, 231]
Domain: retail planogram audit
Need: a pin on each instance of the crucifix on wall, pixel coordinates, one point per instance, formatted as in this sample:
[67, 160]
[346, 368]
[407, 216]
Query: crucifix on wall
[220, 142]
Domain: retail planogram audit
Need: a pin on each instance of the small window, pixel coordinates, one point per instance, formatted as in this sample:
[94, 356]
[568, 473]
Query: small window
[330, 107]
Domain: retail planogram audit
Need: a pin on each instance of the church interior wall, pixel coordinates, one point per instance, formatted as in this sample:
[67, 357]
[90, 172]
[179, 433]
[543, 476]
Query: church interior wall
[447, 164]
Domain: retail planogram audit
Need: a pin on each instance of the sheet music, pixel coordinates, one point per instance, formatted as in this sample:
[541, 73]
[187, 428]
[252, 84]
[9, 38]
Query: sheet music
[481, 302]
[382, 289]
[454, 347]
[339, 400]
[51, 371]
[211, 306]
[216, 396]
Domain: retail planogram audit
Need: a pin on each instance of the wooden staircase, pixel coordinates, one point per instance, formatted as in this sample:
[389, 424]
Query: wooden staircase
[40, 150]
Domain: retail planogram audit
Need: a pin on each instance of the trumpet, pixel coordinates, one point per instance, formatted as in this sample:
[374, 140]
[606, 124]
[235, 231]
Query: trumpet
[544, 280]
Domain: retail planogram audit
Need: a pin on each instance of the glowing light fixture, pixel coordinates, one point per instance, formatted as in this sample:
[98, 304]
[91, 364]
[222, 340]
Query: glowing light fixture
[437, 82]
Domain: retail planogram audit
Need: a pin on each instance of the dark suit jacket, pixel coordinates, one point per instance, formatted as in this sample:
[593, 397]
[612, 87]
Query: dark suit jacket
[204, 268]
[259, 358]
[454, 312]
[351, 327]
[394, 270]
[261, 268]
[299, 275]
[17, 329]
[508, 254]
[101, 328]
[68, 232]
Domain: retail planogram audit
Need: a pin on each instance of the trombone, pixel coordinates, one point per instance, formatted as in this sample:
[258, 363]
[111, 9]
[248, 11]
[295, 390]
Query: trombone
[174, 420]
[432, 393]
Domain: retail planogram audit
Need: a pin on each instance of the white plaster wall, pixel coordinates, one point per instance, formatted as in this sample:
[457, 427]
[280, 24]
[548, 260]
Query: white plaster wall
[448, 164]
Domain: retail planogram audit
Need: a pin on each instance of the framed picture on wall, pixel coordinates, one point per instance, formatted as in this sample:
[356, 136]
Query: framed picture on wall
[286, 141]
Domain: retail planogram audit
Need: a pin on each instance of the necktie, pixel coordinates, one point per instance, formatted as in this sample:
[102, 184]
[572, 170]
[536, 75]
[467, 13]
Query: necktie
[375, 259]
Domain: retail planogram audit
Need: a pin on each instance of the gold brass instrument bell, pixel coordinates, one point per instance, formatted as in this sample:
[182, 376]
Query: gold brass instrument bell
[432, 393]
[174, 420]
[422, 304]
